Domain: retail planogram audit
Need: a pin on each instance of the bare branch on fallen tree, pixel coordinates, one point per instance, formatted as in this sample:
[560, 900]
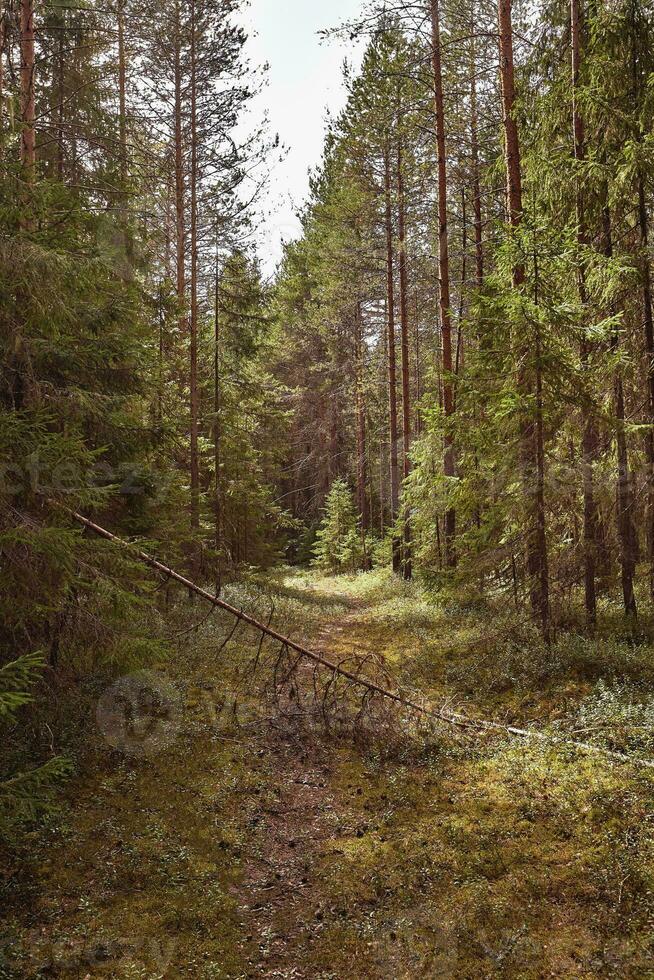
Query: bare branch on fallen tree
[442, 715]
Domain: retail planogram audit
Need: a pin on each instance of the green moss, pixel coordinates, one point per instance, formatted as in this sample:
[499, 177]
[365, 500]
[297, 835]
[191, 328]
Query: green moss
[444, 856]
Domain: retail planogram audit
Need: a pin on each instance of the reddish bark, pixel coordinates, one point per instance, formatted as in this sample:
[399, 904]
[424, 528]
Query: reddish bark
[3, 41]
[362, 475]
[217, 429]
[406, 365]
[180, 189]
[623, 495]
[392, 365]
[61, 69]
[27, 103]
[648, 321]
[195, 405]
[531, 427]
[648, 324]
[444, 277]
[122, 92]
[362, 467]
[476, 175]
[589, 437]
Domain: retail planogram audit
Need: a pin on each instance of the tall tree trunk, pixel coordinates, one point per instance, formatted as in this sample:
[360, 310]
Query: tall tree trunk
[160, 363]
[648, 323]
[384, 458]
[122, 134]
[27, 103]
[362, 470]
[3, 45]
[122, 94]
[459, 360]
[382, 483]
[476, 172]
[61, 96]
[589, 437]
[195, 463]
[444, 277]
[624, 499]
[180, 188]
[417, 426]
[531, 429]
[73, 110]
[392, 365]
[407, 565]
[362, 478]
[16, 352]
[646, 273]
[217, 432]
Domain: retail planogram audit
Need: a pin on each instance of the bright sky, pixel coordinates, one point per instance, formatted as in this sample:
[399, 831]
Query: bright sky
[304, 81]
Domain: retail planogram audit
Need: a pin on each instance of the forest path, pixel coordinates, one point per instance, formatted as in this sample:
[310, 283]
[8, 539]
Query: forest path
[297, 833]
[251, 850]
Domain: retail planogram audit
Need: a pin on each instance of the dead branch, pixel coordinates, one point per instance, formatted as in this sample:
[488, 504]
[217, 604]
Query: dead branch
[442, 715]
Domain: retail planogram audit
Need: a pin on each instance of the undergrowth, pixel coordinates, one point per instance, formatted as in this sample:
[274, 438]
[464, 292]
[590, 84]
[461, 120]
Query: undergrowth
[448, 854]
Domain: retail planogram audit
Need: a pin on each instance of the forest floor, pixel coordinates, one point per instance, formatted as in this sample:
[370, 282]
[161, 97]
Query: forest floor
[239, 847]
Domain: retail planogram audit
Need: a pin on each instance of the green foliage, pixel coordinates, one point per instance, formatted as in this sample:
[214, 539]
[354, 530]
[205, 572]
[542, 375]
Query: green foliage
[249, 420]
[339, 547]
[26, 794]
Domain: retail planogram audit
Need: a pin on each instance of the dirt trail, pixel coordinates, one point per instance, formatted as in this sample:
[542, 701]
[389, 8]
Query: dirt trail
[248, 850]
[280, 895]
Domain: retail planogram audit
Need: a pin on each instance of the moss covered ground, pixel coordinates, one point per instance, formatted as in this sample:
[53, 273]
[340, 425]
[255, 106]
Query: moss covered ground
[244, 847]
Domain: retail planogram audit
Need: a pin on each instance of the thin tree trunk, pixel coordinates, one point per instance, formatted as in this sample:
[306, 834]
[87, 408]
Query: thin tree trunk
[406, 362]
[362, 471]
[418, 380]
[532, 448]
[648, 323]
[180, 189]
[392, 366]
[160, 363]
[624, 498]
[460, 353]
[16, 352]
[624, 501]
[384, 460]
[74, 104]
[122, 94]
[122, 133]
[476, 173]
[382, 484]
[589, 437]
[3, 44]
[444, 277]
[649, 354]
[217, 433]
[195, 463]
[362, 477]
[61, 68]
[246, 540]
[27, 104]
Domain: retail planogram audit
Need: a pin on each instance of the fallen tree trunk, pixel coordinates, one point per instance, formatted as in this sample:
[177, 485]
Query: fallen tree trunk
[442, 715]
